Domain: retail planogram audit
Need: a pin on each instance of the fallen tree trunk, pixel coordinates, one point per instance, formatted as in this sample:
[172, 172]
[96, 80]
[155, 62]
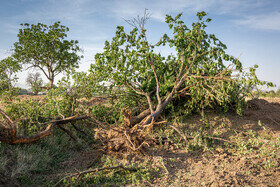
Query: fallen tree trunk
[8, 133]
[133, 120]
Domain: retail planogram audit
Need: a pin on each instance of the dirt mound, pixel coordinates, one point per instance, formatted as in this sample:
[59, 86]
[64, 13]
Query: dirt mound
[265, 111]
[225, 170]
[217, 169]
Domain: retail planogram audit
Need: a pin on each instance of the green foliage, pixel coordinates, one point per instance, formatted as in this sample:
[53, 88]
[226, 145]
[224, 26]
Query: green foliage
[124, 61]
[59, 102]
[199, 67]
[271, 93]
[105, 113]
[116, 177]
[25, 162]
[8, 68]
[81, 85]
[31, 114]
[46, 48]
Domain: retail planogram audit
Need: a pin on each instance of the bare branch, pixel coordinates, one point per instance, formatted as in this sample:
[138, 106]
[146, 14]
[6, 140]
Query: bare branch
[134, 89]
[150, 102]
[139, 22]
[79, 175]
[8, 119]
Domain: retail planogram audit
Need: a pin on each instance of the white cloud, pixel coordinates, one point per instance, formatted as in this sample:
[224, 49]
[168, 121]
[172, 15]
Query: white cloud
[269, 21]
[159, 8]
[4, 53]
[81, 13]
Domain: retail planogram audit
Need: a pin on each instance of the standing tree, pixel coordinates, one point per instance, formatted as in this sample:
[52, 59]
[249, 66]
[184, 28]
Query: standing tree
[35, 82]
[45, 48]
[8, 68]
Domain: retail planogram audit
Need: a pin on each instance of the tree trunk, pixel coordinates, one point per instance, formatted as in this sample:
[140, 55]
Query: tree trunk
[132, 120]
[51, 79]
[158, 110]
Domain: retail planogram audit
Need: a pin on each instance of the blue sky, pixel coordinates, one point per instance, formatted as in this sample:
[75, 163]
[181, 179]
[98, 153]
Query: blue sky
[249, 28]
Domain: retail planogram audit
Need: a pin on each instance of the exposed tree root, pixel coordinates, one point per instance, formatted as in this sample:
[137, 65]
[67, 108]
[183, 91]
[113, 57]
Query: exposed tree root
[125, 138]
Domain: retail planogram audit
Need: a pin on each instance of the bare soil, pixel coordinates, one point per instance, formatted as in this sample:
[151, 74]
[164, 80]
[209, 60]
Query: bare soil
[222, 166]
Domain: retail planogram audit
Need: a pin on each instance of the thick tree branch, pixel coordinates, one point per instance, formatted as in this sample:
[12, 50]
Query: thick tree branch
[9, 135]
[8, 119]
[157, 81]
[35, 65]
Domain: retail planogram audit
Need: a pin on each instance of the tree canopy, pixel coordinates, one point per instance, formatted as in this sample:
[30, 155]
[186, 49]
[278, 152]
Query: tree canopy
[198, 72]
[46, 48]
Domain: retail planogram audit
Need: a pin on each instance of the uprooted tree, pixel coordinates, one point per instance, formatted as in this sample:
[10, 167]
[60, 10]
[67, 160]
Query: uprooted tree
[201, 72]
[197, 71]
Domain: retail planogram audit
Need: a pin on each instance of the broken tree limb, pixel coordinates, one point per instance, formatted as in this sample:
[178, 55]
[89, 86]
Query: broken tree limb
[9, 134]
[180, 133]
[132, 120]
[67, 132]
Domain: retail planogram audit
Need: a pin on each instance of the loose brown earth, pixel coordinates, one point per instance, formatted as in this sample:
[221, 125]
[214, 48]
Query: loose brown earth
[221, 166]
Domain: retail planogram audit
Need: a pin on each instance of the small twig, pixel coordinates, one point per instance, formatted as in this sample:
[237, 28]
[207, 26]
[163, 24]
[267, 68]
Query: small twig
[67, 132]
[165, 168]
[77, 129]
[80, 174]
[73, 104]
[274, 122]
[96, 121]
[58, 110]
[180, 133]
[128, 138]
[95, 160]
[67, 120]
[221, 139]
